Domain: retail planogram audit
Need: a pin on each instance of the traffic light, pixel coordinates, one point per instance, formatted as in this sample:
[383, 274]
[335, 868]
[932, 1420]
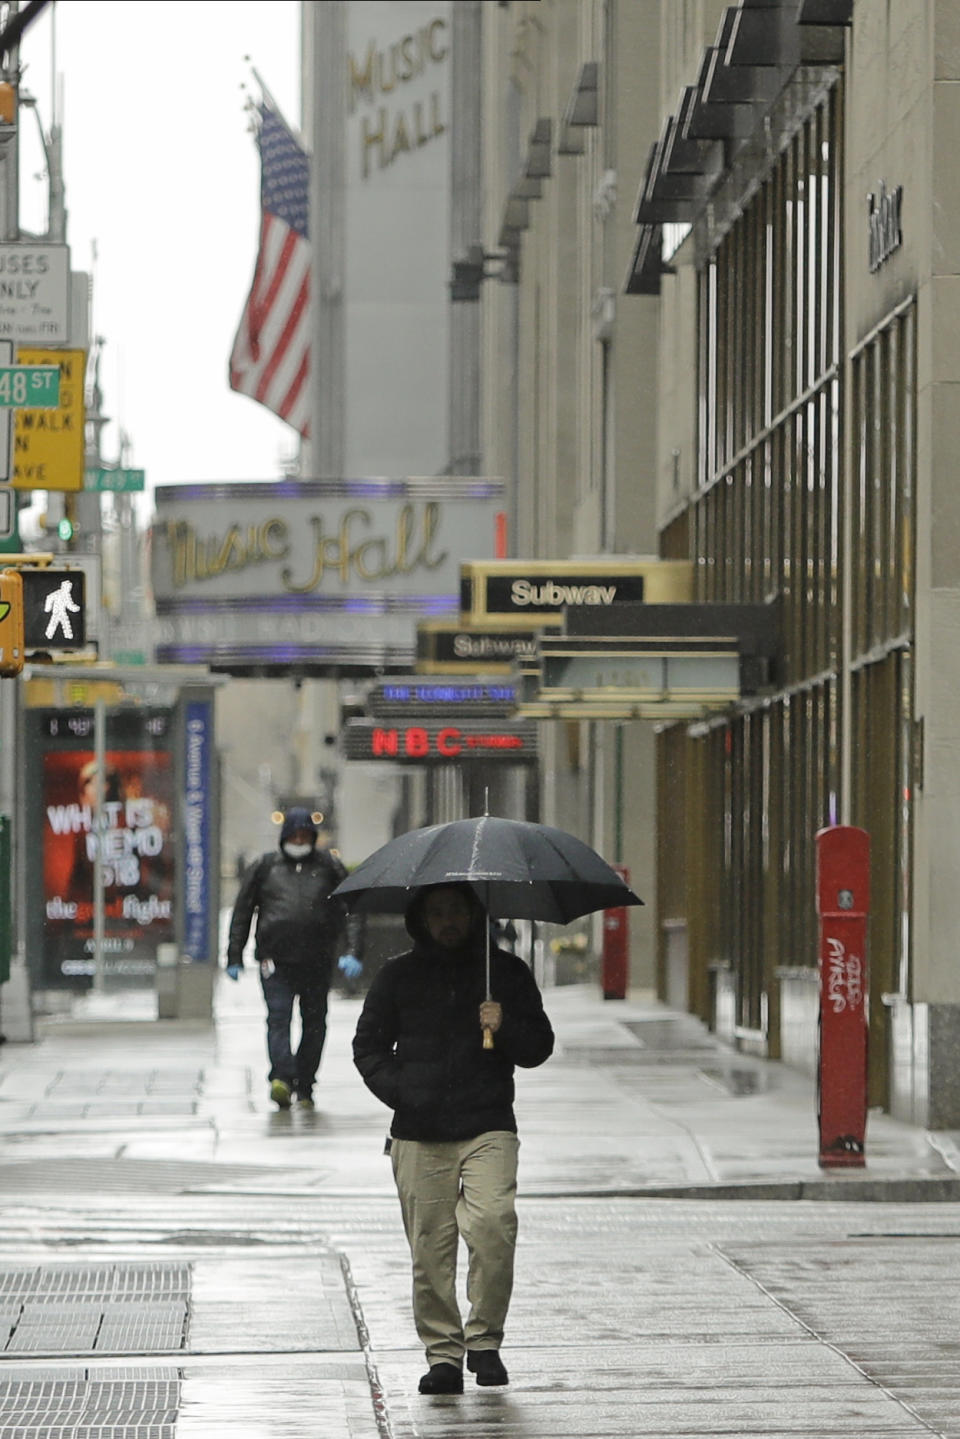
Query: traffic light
[11, 622]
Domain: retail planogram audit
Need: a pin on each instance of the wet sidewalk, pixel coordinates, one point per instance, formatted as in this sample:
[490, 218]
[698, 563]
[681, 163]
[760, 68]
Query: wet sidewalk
[179, 1258]
[637, 1099]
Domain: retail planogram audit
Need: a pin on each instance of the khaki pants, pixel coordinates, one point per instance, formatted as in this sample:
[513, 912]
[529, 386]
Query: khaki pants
[468, 1188]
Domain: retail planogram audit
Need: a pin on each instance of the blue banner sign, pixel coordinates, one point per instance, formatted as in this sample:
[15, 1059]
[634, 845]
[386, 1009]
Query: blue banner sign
[197, 784]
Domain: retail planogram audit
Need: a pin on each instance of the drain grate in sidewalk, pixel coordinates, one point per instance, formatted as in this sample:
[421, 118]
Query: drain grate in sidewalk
[83, 1406]
[129, 1176]
[104, 1309]
[108, 1280]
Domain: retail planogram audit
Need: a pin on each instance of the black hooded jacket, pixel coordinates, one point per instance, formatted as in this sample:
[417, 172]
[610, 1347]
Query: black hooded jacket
[297, 922]
[419, 1045]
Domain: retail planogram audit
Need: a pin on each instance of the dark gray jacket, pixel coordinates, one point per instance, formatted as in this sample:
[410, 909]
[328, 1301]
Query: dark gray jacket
[297, 922]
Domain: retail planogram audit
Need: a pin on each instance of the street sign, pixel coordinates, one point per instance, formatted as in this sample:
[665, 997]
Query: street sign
[7, 357]
[34, 293]
[92, 566]
[48, 445]
[54, 609]
[117, 480]
[29, 387]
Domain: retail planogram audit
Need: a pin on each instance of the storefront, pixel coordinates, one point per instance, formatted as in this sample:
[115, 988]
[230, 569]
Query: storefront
[798, 470]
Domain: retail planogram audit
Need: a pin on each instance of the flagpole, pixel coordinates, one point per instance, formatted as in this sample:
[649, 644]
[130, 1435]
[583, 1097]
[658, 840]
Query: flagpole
[269, 100]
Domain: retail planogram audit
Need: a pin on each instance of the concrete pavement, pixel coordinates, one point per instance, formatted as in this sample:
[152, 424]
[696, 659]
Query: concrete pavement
[178, 1258]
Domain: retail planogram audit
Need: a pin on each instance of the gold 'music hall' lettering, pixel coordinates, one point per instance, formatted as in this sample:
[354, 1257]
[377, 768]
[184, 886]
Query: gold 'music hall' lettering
[385, 135]
[344, 553]
[350, 552]
[242, 545]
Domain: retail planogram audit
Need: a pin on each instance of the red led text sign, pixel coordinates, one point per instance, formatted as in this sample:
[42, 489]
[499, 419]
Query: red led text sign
[437, 743]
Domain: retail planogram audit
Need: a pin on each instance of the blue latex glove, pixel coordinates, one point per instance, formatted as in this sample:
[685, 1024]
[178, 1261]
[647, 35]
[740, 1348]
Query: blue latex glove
[349, 965]
[234, 970]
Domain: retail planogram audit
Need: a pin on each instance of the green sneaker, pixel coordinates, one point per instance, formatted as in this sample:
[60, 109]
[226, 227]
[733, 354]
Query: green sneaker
[305, 1102]
[280, 1093]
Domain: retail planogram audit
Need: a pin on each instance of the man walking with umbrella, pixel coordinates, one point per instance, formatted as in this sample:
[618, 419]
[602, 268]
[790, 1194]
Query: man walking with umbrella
[442, 1028]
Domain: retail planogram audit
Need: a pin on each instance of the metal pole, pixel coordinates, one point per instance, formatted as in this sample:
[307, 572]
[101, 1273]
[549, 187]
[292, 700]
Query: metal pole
[100, 759]
[18, 1017]
[10, 224]
[327, 108]
[487, 1033]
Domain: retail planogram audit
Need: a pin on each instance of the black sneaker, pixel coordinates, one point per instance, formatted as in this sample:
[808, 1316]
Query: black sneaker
[442, 1379]
[488, 1367]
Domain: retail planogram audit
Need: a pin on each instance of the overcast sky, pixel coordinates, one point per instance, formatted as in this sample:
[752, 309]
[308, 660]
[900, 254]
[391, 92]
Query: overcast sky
[162, 177]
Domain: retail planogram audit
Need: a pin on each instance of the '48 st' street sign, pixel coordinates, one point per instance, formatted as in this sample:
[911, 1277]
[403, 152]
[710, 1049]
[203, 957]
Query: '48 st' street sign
[29, 387]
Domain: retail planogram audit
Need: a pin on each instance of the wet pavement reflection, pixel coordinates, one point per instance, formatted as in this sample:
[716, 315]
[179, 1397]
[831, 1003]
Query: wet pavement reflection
[179, 1258]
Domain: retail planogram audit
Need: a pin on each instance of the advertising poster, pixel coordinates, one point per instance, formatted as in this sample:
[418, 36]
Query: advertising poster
[129, 816]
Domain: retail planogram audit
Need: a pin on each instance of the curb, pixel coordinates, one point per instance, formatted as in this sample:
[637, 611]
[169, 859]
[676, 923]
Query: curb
[836, 1191]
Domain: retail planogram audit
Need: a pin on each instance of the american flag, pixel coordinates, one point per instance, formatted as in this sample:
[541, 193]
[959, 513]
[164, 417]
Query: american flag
[270, 360]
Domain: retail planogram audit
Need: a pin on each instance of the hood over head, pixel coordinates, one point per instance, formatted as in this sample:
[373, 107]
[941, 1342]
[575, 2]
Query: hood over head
[296, 819]
[413, 917]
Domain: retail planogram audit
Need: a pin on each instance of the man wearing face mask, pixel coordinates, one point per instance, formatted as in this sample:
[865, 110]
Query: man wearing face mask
[298, 937]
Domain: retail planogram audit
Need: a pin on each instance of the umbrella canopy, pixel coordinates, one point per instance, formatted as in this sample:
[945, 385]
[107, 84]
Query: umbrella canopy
[518, 870]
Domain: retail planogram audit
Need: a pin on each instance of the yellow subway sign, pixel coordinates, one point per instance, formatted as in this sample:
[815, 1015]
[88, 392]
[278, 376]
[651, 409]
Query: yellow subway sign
[48, 446]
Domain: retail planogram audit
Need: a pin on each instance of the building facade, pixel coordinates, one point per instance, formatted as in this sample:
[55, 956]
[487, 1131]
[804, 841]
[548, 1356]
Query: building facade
[569, 363]
[795, 219]
[729, 338]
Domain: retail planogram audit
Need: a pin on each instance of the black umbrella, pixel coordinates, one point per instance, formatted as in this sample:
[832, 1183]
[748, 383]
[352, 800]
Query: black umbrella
[518, 870]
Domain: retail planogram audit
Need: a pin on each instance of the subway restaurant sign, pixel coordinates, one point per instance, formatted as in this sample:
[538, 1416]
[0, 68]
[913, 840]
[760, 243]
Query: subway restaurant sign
[453, 649]
[515, 594]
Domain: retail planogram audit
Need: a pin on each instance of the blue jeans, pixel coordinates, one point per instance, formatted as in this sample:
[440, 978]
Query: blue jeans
[280, 989]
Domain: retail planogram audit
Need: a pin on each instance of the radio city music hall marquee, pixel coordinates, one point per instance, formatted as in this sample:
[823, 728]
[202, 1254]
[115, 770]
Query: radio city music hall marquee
[329, 575]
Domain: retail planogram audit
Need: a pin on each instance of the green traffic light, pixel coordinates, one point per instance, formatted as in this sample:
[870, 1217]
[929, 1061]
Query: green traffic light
[65, 529]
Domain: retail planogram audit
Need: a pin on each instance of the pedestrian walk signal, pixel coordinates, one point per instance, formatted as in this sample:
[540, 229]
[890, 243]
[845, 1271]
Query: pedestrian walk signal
[54, 609]
[11, 623]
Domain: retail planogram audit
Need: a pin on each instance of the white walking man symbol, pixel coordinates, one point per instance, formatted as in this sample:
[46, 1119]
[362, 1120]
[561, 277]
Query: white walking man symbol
[59, 606]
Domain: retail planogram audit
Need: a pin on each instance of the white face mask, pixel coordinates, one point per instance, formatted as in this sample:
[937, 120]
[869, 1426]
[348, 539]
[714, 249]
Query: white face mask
[297, 851]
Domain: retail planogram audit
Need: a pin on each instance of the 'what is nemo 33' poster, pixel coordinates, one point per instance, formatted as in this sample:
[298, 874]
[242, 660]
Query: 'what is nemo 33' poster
[135, 837]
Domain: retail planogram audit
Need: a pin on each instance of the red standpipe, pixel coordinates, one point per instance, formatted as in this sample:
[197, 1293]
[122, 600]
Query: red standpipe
[843, 904]
[616, 945]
